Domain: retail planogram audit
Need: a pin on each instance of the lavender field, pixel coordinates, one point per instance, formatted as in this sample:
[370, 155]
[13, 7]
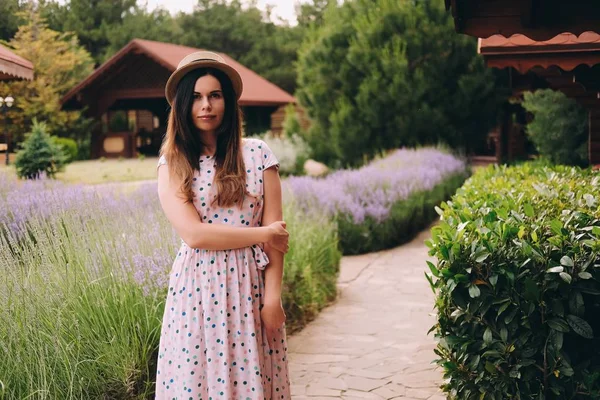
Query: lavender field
[366, 201]
[83, 279]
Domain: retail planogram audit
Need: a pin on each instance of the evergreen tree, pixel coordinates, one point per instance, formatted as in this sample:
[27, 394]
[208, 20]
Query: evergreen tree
[39, 155]
[382, 74]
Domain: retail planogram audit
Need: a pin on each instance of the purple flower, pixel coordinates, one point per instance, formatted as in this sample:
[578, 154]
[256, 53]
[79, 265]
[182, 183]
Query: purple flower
[372, 190]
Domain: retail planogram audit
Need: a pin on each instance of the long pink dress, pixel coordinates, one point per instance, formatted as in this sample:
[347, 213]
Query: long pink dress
[213, 344]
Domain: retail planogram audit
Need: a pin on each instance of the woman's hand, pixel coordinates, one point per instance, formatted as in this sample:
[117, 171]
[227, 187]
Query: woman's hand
[272, 316]
[278, 236]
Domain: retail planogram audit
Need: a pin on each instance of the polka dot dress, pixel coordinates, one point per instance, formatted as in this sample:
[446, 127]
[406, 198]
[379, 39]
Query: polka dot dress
[212, 343]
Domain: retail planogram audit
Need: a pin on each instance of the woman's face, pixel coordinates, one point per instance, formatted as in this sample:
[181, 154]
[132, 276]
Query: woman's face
[209, 104]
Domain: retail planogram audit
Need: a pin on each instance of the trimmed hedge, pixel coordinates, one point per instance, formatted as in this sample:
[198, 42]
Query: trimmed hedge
[407, 218]
[517, 285]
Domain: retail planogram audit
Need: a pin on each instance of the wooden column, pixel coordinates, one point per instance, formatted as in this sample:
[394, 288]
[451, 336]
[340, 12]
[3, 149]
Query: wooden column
[594, 138]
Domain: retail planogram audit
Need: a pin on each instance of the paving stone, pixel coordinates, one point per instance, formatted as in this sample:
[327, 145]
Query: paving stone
[315, 390]
[368, 373]
[390, 391]
[332, 383]
[361, 395]
[363, 384]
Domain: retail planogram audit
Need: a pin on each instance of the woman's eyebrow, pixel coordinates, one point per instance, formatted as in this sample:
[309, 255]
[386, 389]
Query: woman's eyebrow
[214, 91]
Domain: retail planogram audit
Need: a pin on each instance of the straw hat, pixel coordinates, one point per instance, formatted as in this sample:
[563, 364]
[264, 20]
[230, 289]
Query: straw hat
[202, 59]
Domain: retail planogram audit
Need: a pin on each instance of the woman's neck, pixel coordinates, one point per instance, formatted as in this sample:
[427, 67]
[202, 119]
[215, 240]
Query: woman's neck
[209, 143]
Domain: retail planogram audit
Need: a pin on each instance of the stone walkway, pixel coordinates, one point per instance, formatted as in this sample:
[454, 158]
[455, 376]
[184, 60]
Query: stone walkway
[372, 343]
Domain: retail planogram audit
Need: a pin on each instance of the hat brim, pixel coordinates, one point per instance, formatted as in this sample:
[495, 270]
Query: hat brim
[171, 86]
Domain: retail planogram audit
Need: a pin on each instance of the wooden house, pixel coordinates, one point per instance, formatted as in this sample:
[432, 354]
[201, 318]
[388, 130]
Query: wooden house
[126, 95]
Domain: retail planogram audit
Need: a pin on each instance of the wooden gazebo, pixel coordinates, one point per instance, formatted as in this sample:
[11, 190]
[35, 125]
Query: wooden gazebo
[567, 62]
[550, 43]
[14, 67]
[126, 95]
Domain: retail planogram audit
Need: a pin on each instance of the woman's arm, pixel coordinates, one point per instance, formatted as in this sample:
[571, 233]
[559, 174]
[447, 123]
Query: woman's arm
[272, 211]
[184, 218]
[272, 313]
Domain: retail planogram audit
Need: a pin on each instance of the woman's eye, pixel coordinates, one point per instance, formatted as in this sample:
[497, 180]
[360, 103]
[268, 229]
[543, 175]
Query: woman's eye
[196, 96]
[216, 95]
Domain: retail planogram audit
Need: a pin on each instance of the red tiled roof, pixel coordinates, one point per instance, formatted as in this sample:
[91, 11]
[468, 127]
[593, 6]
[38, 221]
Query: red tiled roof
[13, 66]
[257, 90]
[565, 51]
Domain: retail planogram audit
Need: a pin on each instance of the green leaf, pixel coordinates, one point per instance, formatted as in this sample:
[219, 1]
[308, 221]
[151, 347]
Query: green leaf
[504, 334]
[556, 227]
[558, 324]
[487, 336]
[439, 211]
[565, 277]
[433, 269]
[584, 275]
[555, 270]
[481, 256]
[566, 261]
[474, 291]
[557, 340]
[528, 210]
[431, 284]
[580, 326]
[489, 367]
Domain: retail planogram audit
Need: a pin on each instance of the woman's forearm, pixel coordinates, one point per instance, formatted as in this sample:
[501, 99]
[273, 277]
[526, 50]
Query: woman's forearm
[273, 275]
[224, 237]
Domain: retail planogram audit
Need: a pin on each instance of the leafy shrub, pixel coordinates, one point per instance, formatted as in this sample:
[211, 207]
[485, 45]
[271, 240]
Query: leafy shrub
[517, 284]
[68, 146]
[39, 155]
[559, 129]
[291, 152]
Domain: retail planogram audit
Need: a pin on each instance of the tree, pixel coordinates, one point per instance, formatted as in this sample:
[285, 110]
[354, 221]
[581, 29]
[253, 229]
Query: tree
[90, 20]
[244, 34]
[382, 74]
[312, 13]
[40, 155]
[9, 23]
[559, 129]
[59, 64]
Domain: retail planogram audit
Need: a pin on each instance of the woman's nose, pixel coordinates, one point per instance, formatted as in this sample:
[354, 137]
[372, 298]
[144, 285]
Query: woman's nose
[205, 103]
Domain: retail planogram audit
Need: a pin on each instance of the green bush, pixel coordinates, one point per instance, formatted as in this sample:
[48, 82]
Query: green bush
[39, 155]
[517, 284]
[407, 218]
[559, 129]
[68, 146]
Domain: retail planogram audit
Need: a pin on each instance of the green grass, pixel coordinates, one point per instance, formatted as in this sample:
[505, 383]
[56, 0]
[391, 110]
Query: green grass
[103, 171]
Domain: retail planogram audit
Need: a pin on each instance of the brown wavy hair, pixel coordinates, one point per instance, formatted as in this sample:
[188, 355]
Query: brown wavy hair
[182, 146]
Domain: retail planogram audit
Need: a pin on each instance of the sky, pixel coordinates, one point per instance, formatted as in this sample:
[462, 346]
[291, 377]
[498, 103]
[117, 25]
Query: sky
[282, 8]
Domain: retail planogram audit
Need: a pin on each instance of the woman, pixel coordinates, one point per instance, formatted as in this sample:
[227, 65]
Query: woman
[223, 332]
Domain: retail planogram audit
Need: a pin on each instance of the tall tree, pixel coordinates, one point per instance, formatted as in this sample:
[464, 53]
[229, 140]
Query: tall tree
[91, 20]
[245, 34]
[381, 74]
[59, 64]
[9, 22]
